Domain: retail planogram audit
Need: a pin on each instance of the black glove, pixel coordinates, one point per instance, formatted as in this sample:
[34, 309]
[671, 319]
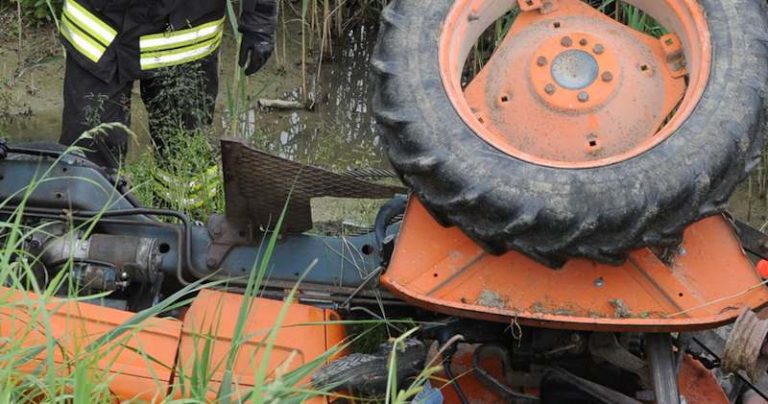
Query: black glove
[255, 50]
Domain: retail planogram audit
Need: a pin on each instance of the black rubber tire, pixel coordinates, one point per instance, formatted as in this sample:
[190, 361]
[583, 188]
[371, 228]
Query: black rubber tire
[552, 214]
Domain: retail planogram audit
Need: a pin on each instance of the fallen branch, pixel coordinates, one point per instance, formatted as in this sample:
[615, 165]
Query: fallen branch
[280, 104]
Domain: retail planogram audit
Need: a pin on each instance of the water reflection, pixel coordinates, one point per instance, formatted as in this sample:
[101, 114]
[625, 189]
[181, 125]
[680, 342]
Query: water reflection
[340, 133]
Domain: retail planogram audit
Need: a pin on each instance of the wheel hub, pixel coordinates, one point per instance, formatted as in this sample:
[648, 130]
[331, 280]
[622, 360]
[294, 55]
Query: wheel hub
[572, 81]
[571, 87]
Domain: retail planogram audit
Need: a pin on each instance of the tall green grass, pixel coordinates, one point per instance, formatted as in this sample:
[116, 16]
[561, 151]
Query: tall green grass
[82, 378]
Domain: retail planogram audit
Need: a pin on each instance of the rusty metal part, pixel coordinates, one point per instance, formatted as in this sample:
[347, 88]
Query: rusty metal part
[673, 50]
[458, 277]
[743, 350]
[227, 234]
[537, 116]
[752, 239]
[606, 347]
[661, 363]
[138, 258]
[498, 353]
[100, 278]
[258, 185]
[543, 6]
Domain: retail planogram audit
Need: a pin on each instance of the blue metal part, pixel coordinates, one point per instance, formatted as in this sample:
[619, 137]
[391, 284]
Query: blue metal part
[50, 191]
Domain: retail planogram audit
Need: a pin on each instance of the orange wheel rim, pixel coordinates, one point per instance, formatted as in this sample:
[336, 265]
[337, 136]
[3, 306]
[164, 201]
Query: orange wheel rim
[570, 87]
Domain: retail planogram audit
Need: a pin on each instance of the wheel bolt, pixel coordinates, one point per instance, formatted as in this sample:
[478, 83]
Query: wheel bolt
[583, 42]
[566, 41]
[541, 61]
[549, 89]
[598, 49]
[583, 96]
[607, 77]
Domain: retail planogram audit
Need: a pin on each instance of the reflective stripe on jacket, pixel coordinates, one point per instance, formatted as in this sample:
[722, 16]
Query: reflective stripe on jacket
[127, 39]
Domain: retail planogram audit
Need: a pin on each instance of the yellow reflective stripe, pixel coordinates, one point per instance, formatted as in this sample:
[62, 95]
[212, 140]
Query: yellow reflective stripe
[89, 22]
[204, 179]
[181, 38]
[174, 57]
[81, 41]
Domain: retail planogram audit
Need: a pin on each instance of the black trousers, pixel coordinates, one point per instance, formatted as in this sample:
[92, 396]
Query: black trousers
[177, 98]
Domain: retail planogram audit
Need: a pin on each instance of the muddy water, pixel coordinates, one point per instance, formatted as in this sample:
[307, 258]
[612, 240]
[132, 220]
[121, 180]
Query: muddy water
[340, 132]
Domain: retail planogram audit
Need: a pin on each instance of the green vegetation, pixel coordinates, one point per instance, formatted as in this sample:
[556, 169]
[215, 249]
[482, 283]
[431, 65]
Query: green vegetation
[40, 372]
[35, 11]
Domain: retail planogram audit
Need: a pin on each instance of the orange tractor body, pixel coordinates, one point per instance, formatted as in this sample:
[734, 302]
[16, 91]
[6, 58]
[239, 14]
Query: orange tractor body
[709, 283]
[157, 357]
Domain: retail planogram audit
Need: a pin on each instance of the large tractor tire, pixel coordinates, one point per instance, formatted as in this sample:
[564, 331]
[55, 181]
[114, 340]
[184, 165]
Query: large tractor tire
[581, 137]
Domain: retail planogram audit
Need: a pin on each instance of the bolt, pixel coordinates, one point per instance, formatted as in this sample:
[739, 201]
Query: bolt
[600, 282]
[583, 42]
[607, 77]
[211, 262]
[217, 230]
[549, 88]
[598, 49]
[583, 96]
[566, 41]
[541, 61]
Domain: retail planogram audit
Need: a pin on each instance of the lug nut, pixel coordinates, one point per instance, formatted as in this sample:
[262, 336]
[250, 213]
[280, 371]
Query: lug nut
[598, 49]
[583, 96]
[600, 282]
[549, 89]
[607, 77]
[566, 41]
[583, 42]
[541, 61]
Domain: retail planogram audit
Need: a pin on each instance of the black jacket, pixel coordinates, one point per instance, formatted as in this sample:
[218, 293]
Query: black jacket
[132, 19]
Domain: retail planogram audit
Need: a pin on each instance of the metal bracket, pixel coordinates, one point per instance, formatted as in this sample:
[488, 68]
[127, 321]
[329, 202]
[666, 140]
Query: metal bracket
[544, 6]
[226, 235]
[673, 50]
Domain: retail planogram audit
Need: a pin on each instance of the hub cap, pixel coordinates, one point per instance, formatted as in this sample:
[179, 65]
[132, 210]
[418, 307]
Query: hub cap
[574, 69]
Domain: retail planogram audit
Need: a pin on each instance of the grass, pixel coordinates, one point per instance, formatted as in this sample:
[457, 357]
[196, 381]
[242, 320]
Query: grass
[35, 370]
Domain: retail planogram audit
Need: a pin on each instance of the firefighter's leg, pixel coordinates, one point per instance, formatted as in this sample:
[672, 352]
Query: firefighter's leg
[180, 99]
[88, 102]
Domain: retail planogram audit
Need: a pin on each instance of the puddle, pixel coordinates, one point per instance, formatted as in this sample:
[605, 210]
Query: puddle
[340, 132]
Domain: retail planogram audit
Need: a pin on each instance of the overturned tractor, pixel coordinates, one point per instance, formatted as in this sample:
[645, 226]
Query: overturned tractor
[562, 236]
